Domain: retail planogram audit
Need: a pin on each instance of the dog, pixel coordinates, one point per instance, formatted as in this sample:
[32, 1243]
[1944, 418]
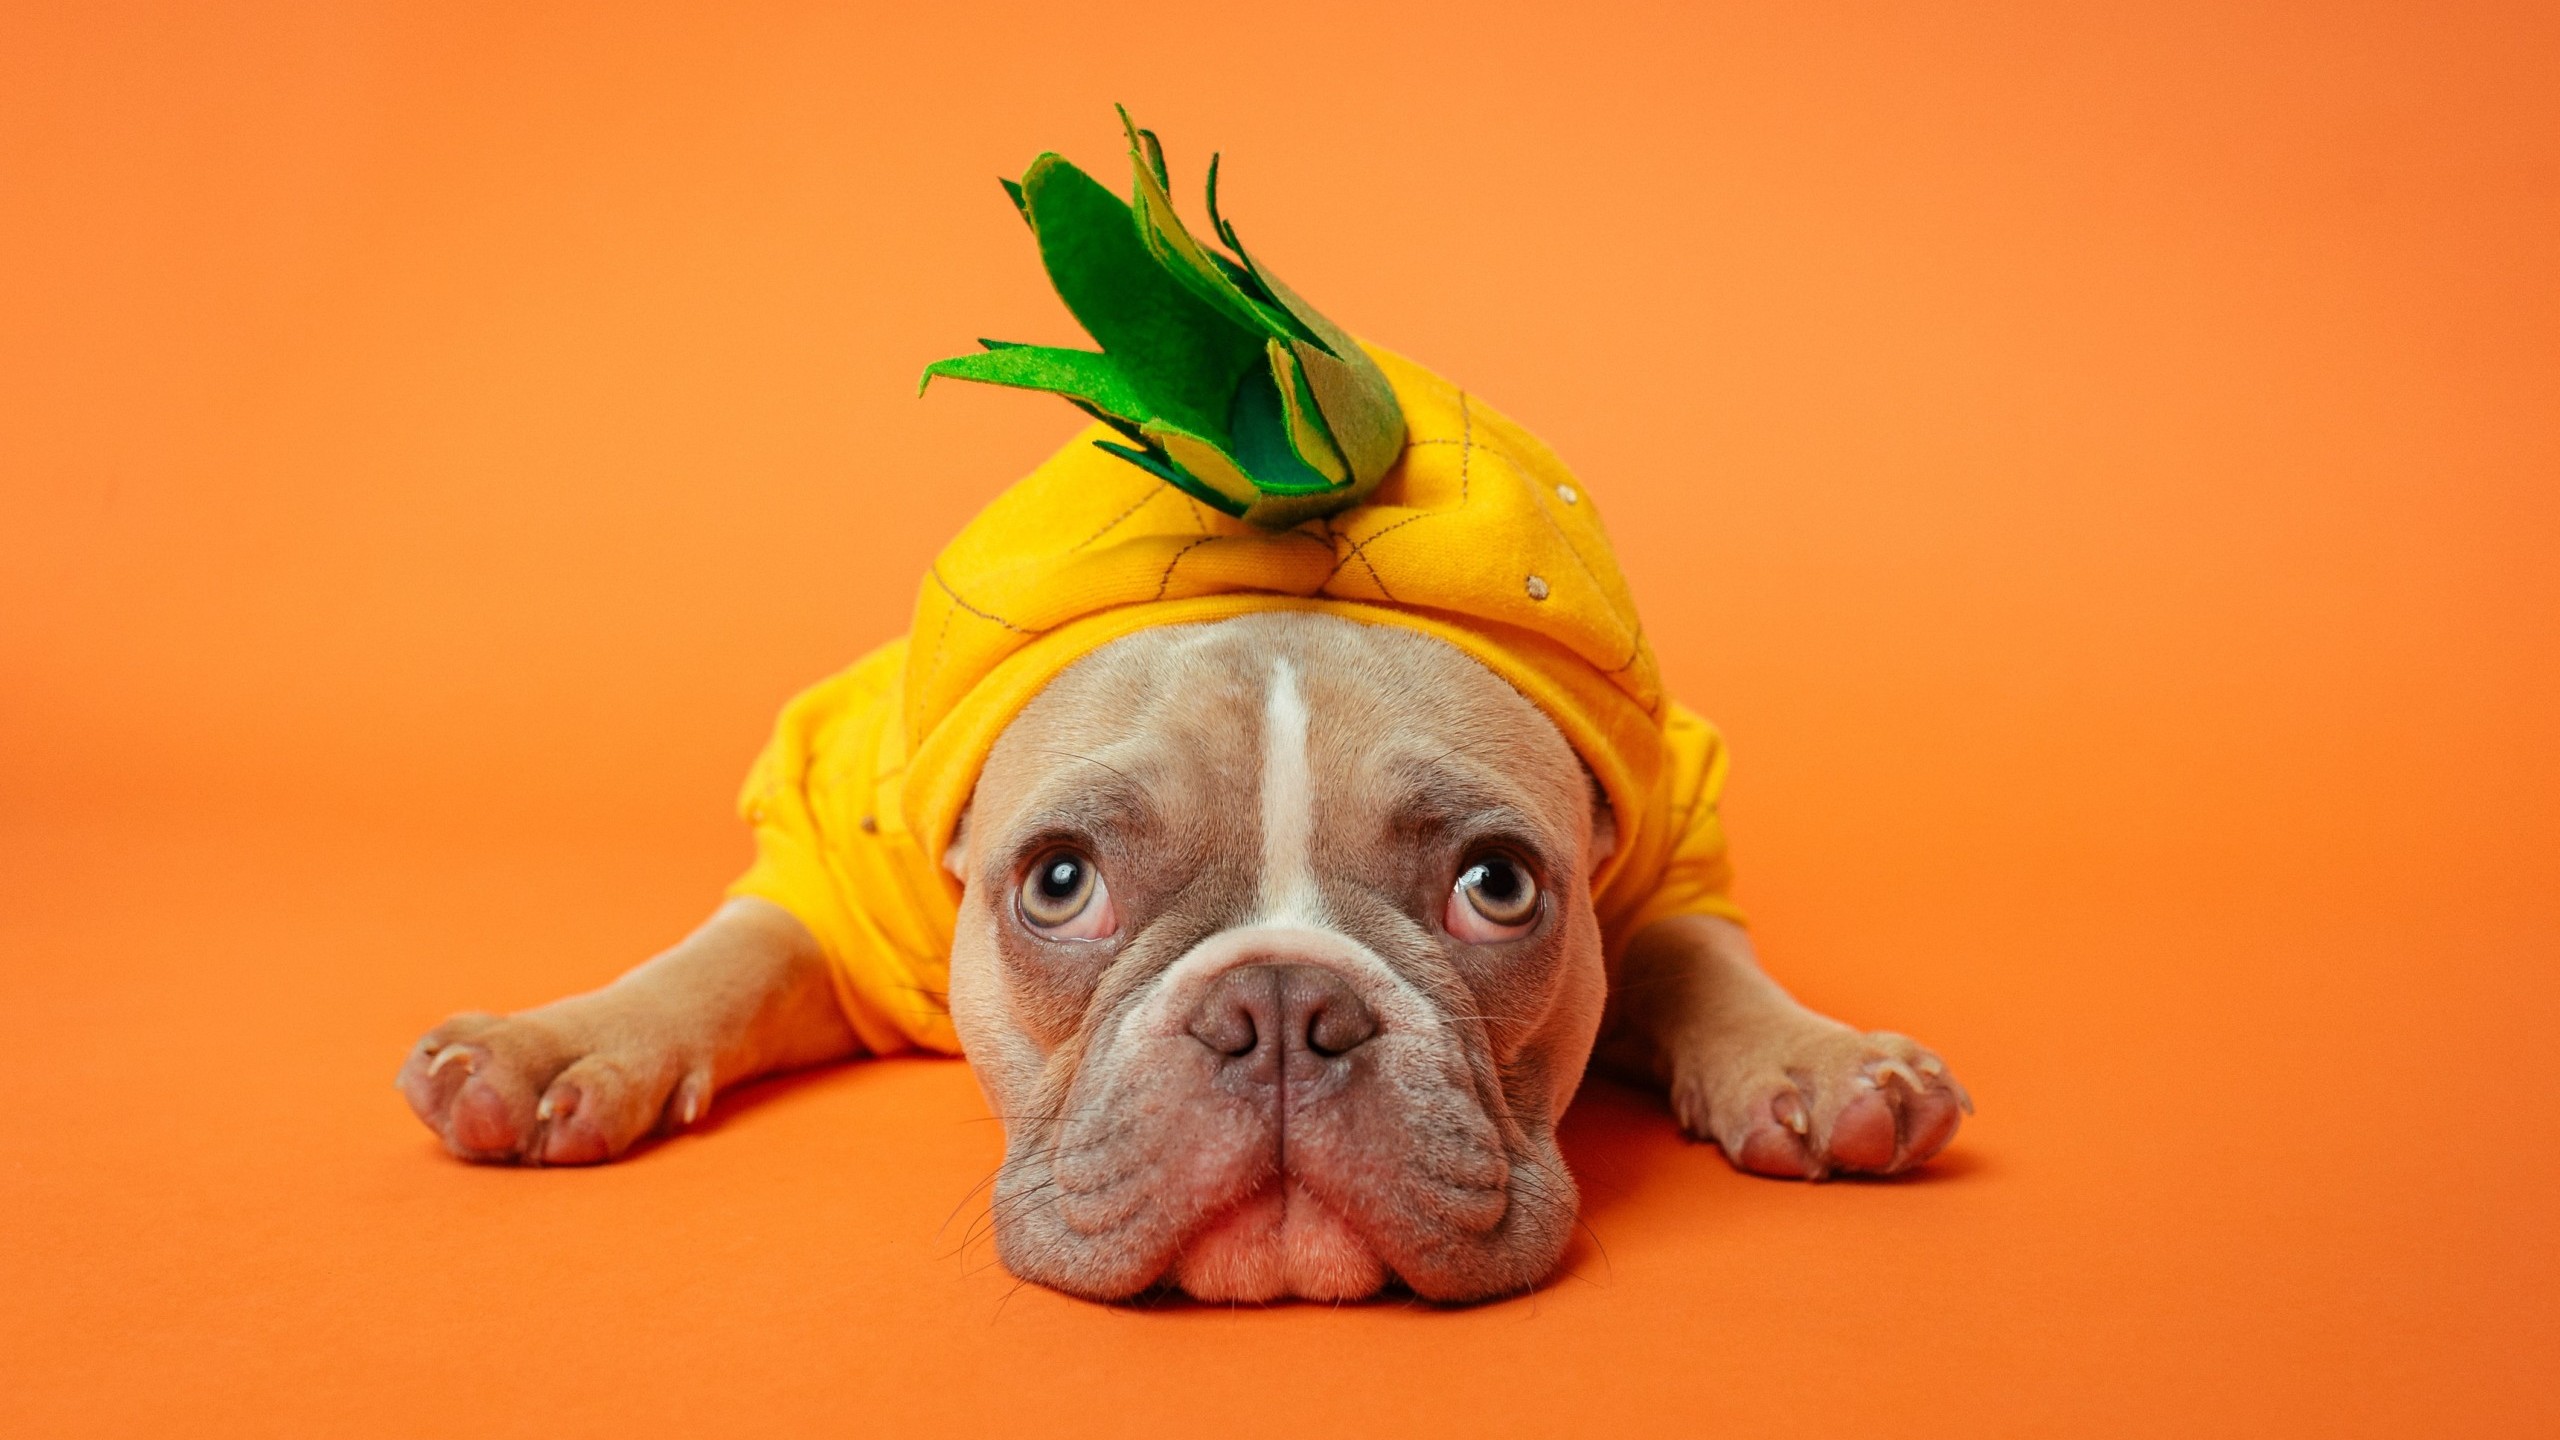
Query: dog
[1279, 871]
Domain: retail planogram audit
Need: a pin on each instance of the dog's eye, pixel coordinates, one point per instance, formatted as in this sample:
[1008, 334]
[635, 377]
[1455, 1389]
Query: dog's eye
[1495, 899]
[1063, 898]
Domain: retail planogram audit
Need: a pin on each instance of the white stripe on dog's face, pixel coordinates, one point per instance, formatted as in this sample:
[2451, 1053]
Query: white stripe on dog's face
[1289, 894]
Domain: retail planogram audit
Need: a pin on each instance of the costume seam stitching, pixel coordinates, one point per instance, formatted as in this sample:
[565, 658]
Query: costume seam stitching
[1466, 484]
[1154, 489]
[936, 572]
[1165, 581]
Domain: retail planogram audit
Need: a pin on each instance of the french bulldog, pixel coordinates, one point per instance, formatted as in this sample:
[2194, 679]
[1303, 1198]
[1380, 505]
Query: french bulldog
[1277, 958]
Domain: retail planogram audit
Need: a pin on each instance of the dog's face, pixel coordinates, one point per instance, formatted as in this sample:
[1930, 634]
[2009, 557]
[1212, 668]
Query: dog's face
[1278, 962]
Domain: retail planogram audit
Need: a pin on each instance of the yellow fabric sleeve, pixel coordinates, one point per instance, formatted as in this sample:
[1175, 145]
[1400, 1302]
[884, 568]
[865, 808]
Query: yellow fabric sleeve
[832, 847]
[1697, 875]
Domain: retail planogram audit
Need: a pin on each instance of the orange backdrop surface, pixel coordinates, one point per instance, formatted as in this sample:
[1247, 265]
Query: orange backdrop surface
[2099, 468]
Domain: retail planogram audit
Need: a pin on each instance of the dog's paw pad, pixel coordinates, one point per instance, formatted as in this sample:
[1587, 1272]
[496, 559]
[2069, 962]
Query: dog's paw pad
[1863, 1131]
[1775, 1140]
[483, 1119]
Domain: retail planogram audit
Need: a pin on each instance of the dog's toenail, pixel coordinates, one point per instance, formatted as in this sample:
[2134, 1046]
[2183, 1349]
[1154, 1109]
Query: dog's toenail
[447, 1057]
[1895, 1070]
[1790, 1112]
[543, 1110]
[1931, 1066]
[692, 1097]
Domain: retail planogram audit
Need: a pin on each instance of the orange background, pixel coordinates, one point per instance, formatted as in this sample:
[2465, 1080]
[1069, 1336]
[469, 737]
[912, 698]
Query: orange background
[2099, 470]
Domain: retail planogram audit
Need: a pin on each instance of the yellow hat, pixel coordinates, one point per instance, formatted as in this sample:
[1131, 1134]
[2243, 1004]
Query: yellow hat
[1477, 535]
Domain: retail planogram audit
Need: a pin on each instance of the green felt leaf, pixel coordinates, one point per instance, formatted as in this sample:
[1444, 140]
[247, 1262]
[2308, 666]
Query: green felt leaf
[1013, 192]
[1129, 429]
[1306, 429]
[1154, 147]
[1218, 222]
[1263, 448]
[1282, 512]
[1170, 241]
[1163, 469]
[1174, 348]
[1078, 374]
[1208, 463]
[1360, 409]
[1359, 406]
[1224, 382]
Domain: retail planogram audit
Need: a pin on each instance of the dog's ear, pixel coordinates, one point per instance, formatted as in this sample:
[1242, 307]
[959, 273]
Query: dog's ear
[1604, 829]
[955, 858]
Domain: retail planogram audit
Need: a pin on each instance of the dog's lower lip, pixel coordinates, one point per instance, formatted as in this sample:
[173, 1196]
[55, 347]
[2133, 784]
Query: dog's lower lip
[1277, 1242]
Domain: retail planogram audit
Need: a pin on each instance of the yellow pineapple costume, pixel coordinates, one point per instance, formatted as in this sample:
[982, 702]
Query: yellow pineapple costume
[1315, 475]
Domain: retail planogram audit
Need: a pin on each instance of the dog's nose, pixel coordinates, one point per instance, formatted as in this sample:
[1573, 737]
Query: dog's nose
[1276, 1012]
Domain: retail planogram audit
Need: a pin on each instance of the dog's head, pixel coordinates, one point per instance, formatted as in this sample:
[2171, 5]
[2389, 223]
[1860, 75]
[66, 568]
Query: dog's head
[1278, 962]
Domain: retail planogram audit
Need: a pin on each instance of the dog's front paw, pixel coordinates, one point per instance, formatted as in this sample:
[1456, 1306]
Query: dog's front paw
[1821, 1099]
[568, 1084]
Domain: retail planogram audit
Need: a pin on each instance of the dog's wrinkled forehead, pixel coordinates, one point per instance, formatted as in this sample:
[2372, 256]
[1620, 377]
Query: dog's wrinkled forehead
[1279, 768]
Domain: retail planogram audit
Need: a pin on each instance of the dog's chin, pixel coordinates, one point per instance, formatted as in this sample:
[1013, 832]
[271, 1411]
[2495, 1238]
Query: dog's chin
[1278, 1244]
